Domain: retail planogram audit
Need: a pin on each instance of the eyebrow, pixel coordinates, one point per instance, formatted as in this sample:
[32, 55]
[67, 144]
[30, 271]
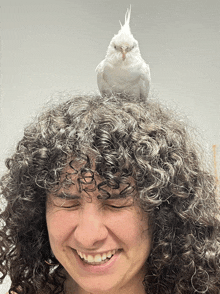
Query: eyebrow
[113, 196]
[118, 196]
[67, 196]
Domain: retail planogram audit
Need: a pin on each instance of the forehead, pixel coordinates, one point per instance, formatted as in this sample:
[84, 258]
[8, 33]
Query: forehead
[80, 176]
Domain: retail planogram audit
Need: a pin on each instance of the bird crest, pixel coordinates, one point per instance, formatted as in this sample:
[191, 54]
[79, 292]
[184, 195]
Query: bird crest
[124, 35]
[126, 27]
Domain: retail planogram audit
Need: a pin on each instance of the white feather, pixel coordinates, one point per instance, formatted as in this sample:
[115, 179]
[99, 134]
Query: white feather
[123, 71]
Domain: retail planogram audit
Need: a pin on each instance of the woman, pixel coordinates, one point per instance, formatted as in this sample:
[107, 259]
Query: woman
[106, 196]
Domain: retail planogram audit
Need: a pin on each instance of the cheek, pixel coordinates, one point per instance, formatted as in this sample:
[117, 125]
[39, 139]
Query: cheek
[131, 229]
[60, 226]
[139, 240]
[138, 234]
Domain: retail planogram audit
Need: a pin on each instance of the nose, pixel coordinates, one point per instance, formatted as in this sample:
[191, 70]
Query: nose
[90, 232]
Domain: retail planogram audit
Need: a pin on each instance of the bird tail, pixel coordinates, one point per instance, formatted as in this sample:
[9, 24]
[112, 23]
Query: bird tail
[126, 26]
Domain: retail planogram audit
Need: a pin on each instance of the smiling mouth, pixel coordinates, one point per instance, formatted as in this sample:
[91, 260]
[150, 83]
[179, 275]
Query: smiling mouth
[98, 258]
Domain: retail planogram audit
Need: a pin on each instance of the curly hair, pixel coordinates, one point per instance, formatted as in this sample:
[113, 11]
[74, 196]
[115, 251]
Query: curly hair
[145, 141]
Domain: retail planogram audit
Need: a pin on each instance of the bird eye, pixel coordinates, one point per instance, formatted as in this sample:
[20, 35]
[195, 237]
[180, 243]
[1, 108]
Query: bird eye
[115, 47]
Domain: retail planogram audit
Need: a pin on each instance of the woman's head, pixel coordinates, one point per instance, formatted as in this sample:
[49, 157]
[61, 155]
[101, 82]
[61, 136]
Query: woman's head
[98, 149]
[97, 231]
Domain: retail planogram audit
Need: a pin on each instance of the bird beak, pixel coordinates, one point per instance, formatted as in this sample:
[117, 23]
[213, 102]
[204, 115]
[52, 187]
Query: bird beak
[123, 53]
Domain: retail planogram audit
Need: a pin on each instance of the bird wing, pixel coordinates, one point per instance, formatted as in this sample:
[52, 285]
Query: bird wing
[103, 86]
[100, 66]
[145, 80]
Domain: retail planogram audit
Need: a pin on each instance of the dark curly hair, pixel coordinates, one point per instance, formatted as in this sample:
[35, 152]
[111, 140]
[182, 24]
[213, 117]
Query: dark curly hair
[146, 142]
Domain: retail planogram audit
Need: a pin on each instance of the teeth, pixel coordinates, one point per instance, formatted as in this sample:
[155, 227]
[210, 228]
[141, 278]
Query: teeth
[80, 254]
[97, 258]
[108, 254]
[90, 258]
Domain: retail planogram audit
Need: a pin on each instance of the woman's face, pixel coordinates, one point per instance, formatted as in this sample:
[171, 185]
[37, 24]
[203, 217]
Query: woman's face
[102, 244]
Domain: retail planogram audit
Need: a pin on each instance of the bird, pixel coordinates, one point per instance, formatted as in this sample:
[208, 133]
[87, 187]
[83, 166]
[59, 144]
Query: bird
[124, 72]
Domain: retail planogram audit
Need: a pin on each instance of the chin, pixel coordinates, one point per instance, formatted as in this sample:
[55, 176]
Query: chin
[100, 287]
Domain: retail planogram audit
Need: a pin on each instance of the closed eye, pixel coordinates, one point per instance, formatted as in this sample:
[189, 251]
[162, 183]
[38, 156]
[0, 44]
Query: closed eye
[119, 203]
[71, 206]
[117, 207]
[66, 203]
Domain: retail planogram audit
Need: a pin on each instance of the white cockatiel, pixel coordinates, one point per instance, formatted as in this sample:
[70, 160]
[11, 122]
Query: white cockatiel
[123, 71]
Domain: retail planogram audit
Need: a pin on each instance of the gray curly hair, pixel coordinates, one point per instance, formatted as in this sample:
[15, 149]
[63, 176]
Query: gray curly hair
[146, 142]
